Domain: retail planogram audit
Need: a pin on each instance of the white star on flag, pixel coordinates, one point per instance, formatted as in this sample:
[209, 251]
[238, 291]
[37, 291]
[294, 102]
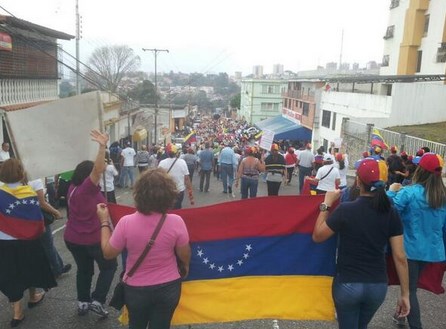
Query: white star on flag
[248, 247]
[240, 262]
[212, 266]
[17, 202]
[245, 256]
[24, 202]
[11, 206]
[205, 260]
[200, 253]
[230, 267]
[220, 269]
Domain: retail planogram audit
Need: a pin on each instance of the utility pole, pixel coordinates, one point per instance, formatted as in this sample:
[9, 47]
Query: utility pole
[78, 36]
[155, 52]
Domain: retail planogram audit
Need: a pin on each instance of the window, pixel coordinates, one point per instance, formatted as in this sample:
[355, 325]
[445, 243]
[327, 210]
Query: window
[333, 122]
[269, 89]
[386, 59]
[326, 116]
[306, 109]
[269, 106]
[390, 31]
[426, 23]
[419, 59]
[394, 3]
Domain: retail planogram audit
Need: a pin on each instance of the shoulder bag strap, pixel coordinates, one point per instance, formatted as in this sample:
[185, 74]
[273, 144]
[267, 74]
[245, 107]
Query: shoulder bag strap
[148, 246]
[172, 164]
[327, 173]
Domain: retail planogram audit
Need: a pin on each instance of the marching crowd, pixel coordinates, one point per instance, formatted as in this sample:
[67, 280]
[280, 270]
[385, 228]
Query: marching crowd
[396, 205]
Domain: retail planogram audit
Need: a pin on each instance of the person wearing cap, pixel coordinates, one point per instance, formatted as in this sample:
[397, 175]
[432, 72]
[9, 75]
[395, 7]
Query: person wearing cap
[275, 170]
[248, 172]
[290, 164]
[365, 227]
[422, 207]
[305, 162]
[177, 169]
[327, 177]
[341, 164]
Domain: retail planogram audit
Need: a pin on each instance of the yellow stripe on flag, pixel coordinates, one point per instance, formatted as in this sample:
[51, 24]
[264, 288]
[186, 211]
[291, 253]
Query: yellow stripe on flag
[255, 297]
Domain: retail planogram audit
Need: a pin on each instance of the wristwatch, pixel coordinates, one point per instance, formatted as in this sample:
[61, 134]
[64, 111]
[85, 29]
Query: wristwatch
[324, 207]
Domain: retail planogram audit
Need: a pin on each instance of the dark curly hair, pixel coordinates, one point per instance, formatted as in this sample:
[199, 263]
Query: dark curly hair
[154, 191]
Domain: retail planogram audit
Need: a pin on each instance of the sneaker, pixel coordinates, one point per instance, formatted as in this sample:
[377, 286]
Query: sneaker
[98, 308]
[65, 269]
[399, 322]
[82, 308]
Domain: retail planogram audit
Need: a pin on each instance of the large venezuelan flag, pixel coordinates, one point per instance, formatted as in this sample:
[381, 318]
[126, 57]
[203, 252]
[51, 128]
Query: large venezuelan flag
[20, 214]
[191, 138]
[255, 259]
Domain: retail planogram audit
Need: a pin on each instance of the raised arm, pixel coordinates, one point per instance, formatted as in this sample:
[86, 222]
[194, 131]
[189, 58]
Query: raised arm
[99, 164]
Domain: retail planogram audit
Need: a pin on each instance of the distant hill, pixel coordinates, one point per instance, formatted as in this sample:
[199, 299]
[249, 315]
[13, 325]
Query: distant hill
[435, 132]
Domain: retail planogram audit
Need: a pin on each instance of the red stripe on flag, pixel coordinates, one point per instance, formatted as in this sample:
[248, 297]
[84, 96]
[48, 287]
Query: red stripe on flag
[21, 229]
[261, 216]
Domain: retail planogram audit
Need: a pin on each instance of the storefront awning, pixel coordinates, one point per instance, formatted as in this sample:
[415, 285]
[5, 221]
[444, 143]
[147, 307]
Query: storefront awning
[285, 129]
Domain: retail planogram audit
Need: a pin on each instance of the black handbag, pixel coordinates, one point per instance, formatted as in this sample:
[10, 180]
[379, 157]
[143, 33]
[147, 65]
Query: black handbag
[48, 218]
[118, 298]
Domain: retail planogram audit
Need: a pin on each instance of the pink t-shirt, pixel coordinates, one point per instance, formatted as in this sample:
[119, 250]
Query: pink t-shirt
[160, 266]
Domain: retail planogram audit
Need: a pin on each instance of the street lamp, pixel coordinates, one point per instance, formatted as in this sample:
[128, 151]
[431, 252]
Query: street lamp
[156, 51]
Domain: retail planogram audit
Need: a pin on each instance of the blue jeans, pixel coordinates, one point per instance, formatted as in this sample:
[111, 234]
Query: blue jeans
[205, 175]
[303, 171]
[126, 171]
[227, 175]
[356, 303]
[56, 262]
[250, 185]
[414, 317]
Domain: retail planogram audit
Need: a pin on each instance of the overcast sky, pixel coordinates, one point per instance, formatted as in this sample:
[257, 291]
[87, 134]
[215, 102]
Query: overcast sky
[220, 36]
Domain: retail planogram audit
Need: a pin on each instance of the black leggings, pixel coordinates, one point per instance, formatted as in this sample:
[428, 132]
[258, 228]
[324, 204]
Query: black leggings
[153, 305]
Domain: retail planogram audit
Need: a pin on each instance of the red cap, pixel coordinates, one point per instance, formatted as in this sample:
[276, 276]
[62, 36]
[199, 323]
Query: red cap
[372, 172]
[432, 162]
[365, 154]
[393, 149]
[339, 157]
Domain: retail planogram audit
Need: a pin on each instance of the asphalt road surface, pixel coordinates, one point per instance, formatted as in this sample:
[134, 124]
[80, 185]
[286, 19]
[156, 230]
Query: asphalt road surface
[58, 310]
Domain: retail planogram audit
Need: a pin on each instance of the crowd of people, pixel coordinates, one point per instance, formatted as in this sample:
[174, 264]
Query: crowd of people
[396, 205]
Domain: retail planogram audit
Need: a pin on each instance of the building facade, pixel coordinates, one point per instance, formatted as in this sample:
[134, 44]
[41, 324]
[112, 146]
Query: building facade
[261, 99]
[415, 38]
[29, 67]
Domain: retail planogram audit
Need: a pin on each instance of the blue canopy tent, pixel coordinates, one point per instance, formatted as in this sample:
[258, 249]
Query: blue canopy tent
[285, 129]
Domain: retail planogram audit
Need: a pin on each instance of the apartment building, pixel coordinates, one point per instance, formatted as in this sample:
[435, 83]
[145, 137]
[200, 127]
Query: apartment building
[261, 99]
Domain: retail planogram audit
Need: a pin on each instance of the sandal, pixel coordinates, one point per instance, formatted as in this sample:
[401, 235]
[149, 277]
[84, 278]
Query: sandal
[34, 304]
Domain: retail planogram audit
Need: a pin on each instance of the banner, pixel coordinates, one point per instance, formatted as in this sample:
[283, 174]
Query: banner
[254, 259]
[54, 137]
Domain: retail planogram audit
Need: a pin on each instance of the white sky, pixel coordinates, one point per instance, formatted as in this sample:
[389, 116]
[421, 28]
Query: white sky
[220, 36]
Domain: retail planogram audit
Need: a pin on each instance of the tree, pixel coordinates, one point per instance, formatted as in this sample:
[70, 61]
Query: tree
[235, 101]
[110, 64]
[66, 89]
[144, 92]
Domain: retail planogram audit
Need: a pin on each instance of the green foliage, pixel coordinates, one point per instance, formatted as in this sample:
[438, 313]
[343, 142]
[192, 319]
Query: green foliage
[235, 101]
[144, 92]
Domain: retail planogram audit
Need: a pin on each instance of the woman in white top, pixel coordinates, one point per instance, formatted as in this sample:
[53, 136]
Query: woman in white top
[327, 176]
[342, 165]
[110, 173]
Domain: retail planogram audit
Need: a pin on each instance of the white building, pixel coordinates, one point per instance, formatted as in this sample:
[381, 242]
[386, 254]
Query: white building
[410, 89]
[257, 71]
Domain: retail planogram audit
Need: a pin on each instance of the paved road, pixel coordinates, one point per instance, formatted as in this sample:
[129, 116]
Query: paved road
[59, 308]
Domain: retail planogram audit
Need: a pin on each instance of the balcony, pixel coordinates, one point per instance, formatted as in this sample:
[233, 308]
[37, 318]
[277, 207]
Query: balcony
[298, 94]
[23, 91]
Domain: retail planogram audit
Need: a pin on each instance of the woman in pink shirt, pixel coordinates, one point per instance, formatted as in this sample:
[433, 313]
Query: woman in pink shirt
[153, 292]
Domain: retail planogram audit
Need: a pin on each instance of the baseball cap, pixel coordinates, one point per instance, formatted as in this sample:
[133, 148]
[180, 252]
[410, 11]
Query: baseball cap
[339, 157]
[328, 157]
[431, 162]
[393, 149]
[372, 172]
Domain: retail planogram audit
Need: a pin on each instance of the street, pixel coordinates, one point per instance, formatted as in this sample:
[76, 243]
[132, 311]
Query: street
[59, 307]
